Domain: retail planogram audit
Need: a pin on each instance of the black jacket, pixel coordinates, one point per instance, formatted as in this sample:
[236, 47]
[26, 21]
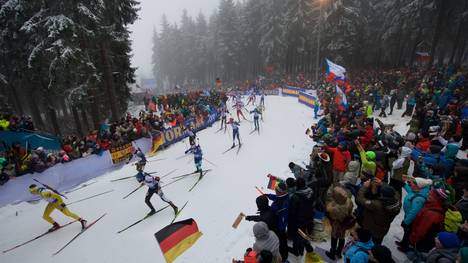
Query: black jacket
[301, 208]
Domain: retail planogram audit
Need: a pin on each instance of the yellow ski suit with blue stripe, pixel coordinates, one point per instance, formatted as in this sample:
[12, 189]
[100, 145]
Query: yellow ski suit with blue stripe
[55, 202]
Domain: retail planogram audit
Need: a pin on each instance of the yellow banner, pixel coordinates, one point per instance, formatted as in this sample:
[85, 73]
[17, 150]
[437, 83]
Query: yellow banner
[121, 153]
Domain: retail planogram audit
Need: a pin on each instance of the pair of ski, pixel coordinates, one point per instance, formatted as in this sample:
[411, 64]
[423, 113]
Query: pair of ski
[221, 130]
[49, 232]
[178, 178]
[148, 216]
[128, 177]
[255, 131]
[238, 148]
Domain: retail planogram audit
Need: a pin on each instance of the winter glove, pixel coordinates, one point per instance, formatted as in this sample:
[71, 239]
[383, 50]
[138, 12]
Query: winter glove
[249, 218]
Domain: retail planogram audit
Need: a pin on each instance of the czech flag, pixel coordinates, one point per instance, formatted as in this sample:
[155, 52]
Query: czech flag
[176, 238]
[341, 98]
[273, 182]
[335, 72]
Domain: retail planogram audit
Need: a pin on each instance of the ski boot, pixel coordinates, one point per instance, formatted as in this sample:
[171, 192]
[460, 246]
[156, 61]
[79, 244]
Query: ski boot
[176, 209]
[83, 223]
[54, 227]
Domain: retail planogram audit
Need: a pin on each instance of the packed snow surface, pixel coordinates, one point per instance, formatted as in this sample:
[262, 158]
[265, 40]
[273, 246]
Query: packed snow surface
[214, 203]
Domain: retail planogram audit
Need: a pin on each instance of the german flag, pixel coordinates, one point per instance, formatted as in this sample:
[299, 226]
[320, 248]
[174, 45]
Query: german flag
[273, 182]
[175, 238]
[157, 142]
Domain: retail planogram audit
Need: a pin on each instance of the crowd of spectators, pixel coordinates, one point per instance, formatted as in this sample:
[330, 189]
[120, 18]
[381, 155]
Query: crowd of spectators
[363, 173]
[161, 113]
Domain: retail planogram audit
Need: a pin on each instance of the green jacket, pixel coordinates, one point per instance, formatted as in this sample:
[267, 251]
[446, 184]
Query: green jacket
[367, 167]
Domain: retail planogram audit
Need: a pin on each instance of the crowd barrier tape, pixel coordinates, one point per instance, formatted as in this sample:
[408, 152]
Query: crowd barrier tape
[291, 91]
[68, 175]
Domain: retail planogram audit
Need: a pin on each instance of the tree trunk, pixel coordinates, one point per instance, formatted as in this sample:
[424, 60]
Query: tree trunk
[462, 52]
[76, 117]
[93, 101]
[54, 120]
[109, 82]
[18, 105]
[35, 111]
[459, 34]
[437, 32]
[85, 121]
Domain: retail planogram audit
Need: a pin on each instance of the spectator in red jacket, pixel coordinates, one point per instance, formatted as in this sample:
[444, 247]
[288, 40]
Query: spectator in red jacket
[424, 143]
[368, 135]
[429, 221]
[341, 158]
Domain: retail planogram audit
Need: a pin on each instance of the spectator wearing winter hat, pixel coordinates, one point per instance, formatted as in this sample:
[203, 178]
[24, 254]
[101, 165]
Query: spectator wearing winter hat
[429, 221]
[341, 157]
[298, 171]
[265, 239]
[378, 213]
[380, 254]
[266, 214]
[339, 210]
[446, 248]
[399, 168]
[357, 252]
[417, 191]
[280, 209]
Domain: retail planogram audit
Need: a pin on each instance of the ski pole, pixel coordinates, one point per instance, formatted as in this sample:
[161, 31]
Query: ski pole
[89, 197]
[140, 186]
[181, 157]
[161, 159]
[169, 173]
[209, 161]
[50, 188]
[260, 191]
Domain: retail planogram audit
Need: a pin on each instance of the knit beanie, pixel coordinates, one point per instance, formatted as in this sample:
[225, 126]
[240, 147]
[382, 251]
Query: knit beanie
[387, 191]
[448, 240]
[382, 254]
[363, 234]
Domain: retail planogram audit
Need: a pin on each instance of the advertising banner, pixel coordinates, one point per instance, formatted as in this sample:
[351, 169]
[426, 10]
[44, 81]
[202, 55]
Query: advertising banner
[121, 153]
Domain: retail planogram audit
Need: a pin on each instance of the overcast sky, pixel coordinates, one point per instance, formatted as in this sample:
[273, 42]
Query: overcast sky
[150, 16]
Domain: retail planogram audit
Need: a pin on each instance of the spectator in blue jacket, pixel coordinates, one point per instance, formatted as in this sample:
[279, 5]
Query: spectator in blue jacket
[358, 252]
[280, 208]
[417, 191]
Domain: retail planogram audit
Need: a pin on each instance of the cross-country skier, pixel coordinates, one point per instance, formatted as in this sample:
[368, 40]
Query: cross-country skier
[192, 135]
[54, 202]
[197, 158]
[262, 100]
[140, 154]
[154, 188]
[235, 132]
[239, 106]
[224, 112]
[256, 114]
[251, 98]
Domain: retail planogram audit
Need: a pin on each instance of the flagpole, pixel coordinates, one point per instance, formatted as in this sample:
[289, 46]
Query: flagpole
[317, 63]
